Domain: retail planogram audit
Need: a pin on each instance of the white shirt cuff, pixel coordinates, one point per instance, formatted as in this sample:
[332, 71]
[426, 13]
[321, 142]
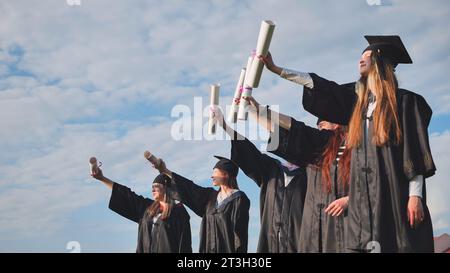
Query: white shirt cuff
[297, 77]
[415, 186]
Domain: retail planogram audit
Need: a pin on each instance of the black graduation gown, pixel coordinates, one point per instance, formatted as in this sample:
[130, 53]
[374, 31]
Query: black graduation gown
[224, 228]
[280, 207]
[379, 179]
[172, 235]
[320, 232]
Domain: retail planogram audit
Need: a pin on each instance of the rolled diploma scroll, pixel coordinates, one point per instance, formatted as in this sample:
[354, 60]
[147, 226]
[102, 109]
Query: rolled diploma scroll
[262, 47]
[215, 88]
[153, 159]
[247, 91]
[232, 116]
[93, 165]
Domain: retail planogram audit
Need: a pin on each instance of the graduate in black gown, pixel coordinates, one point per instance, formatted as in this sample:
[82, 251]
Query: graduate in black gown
[225, 213]
[164, 226]
[282, 192]
[328, 166]
[391, 156]
[323, 152]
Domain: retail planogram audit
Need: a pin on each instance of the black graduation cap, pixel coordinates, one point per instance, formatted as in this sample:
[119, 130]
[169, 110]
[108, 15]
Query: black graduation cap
[388, 47]
[227, 165]
[162, 179]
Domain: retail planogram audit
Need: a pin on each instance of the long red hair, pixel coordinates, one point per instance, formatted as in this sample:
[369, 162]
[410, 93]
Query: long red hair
[329, 156]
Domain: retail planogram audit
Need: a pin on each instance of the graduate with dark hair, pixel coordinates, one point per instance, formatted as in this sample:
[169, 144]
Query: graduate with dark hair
[163, 225]
[225, 213]
[282, 192]
[391, 156]
[323, 152]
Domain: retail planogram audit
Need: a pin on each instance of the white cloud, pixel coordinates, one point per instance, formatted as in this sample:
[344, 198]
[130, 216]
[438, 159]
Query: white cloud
[42, 189]
[81, 70]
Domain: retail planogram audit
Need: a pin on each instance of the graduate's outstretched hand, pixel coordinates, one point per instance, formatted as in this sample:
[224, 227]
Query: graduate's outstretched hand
[337, 207]
[415, 211]
[98, 175]
[268, 61]
[217, 114]
[254, 105]
[161, 166]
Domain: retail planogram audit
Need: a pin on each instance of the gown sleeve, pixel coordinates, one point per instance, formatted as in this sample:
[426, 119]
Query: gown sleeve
[252, 162]
[330, 101]
[185, 230]
[416, 116]
[127, 203]
[241, 218]
[190, 194]
[301, 145]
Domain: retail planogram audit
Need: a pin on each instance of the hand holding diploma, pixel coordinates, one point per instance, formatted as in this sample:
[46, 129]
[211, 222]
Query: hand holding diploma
[162, 168]
[246, 91]
[255, 112]
[97, 173]
[154, 160]
[94, 166]
[216, 114]
[269, 63]
[157, 163]
[232, 116]
[254, 105]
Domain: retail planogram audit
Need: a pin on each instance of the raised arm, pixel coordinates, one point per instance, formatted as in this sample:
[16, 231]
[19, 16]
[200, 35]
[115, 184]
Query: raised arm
[191, 194]
[268, 118]
[270, 64]
[99, 176]
[322, 98]
[300, 145]
[186, 191]
[254, 163]
[124, 201]
[330, 101]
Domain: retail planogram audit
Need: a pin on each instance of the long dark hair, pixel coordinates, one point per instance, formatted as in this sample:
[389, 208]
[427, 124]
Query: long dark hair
[231, 182]
[155, 208]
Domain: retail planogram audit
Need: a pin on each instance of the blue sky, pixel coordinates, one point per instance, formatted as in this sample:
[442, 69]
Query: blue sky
[102, 79]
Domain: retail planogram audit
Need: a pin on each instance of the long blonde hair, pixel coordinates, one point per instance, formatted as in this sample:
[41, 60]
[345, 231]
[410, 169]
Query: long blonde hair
[385, 116]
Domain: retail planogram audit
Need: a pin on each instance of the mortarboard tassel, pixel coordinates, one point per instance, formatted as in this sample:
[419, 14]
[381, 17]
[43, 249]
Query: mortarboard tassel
[380, 64]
